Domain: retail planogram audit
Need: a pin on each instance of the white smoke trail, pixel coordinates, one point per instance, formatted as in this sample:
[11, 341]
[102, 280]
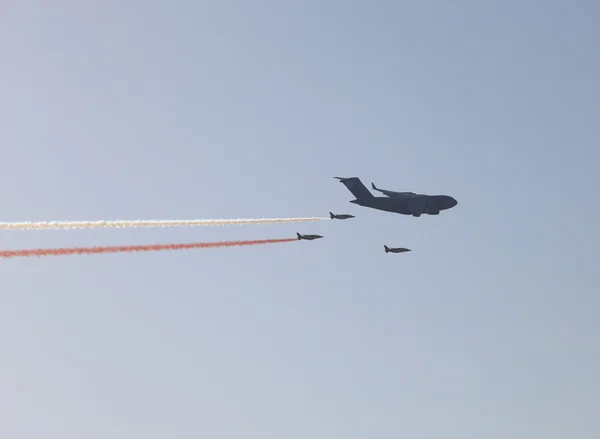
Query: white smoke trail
[120, 224]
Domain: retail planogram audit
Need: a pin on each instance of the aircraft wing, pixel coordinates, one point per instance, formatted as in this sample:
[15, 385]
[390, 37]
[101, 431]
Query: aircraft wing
[383, 191]
[393, 194]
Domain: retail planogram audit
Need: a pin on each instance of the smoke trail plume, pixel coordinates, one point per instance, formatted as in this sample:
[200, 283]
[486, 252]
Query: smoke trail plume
[5, 254]
[120, 224]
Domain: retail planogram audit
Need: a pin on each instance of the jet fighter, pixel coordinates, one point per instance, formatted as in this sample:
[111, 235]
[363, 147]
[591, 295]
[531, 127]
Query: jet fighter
[341, 216]
[308, 237]
[396, 250]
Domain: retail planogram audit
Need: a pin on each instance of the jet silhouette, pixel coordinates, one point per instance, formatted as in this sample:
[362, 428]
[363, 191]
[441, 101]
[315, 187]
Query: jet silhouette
[341, 216]
[396, 250]
[404, 203]
[308, 237]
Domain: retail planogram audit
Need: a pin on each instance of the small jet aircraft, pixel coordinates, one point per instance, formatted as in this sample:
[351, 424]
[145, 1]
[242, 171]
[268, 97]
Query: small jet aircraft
[308, 237]
[341, 216]
[404, 203]
[396, 250]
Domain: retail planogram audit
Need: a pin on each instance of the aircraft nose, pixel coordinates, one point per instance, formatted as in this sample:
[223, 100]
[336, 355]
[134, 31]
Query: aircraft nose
[452, 202]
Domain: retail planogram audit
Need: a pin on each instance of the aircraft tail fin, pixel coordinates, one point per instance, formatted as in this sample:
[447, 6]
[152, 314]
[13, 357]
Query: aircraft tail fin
[354, 185]
[387, 249]
[299, 235]
[331, 215]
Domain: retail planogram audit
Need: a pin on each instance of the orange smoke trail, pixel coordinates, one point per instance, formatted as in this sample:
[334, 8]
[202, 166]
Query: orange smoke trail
[132, 248]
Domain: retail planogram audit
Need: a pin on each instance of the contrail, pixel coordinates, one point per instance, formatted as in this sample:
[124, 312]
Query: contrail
[132, 248]
[120, 224]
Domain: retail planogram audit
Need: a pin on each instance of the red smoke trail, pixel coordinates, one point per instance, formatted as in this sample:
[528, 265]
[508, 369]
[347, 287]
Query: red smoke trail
[132, 248]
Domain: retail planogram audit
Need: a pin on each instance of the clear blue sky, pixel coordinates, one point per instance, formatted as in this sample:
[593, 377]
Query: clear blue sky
[233, 109]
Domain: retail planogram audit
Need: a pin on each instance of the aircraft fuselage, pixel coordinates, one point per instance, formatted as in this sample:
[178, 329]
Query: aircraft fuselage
[402, 204]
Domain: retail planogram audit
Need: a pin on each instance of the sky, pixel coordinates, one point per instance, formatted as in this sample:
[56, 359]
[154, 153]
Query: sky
[237, 109]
